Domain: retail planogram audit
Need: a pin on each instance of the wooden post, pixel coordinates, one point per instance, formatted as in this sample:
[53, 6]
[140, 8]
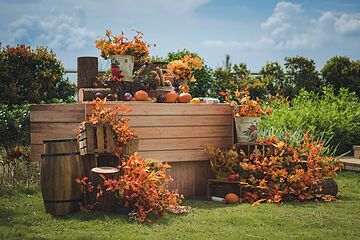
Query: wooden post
[87, 71]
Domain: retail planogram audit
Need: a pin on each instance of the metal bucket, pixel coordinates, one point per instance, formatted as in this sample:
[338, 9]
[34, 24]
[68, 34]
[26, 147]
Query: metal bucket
[125, 63]
[243, 125]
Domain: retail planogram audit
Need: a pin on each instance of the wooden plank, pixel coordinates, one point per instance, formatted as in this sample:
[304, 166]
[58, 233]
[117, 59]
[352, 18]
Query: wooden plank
[109, 139]
[100, 138]
[36, 151]
[183, 132]
[57, 107]
[58, 116]
[54, 128]
[168, 121]
[170, 109]
[176, 155]
[38, 138]
[184, 177]
[182, 143]
[202, 172]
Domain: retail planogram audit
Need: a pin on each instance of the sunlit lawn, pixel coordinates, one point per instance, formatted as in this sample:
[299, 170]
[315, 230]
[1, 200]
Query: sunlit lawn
[22, 216]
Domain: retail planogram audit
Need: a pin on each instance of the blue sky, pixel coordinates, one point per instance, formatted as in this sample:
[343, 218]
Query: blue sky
[251, 31]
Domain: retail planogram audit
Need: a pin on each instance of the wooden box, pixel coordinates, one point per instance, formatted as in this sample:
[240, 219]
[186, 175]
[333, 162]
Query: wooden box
[97, 138]
[219, 188]
[249, 147]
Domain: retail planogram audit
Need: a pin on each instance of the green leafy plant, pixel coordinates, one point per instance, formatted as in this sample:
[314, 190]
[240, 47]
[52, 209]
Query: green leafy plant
[335, 117]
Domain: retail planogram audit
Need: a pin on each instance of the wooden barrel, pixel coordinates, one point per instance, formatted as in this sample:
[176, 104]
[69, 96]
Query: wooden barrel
[60, 166]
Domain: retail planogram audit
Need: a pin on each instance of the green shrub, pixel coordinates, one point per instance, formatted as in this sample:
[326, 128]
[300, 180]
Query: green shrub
[295, 136]
[32, 76]
[14, 125]
[335, 117]
[341, 72]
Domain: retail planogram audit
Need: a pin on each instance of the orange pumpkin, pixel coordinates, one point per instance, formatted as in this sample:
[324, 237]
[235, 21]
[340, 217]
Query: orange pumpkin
[141, 96]
[171, 97]
[184, 98]
[231, 198]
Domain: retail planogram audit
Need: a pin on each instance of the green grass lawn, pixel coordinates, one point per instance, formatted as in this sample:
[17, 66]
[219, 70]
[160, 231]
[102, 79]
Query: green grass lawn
[22, 216]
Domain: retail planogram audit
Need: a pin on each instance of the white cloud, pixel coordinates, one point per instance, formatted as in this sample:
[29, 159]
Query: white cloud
[290, 28]
[283, 19]
[347, 23]
[57, 31]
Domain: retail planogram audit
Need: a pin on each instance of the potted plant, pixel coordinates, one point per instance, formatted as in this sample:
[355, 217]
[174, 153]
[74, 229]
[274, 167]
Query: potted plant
[223, 162]
[247, 113]
[183, 70]
[123, 52]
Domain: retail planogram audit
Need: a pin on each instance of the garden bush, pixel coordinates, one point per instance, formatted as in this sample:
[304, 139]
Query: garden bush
[335, 117]
[341, 72]
[32, 76]
[14, 125]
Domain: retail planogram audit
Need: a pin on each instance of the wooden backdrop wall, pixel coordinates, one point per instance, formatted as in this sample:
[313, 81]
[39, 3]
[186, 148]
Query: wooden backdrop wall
[172, 133]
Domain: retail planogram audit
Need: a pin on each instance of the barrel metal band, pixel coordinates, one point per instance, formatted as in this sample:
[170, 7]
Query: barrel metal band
[59, 154]
[63, 201]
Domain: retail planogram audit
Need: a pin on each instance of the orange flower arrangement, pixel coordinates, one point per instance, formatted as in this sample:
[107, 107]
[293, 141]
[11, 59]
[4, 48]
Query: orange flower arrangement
[120, 45]
[287, 172]
[183, 69]
[144, 186]
[114, 116]
[244, 106]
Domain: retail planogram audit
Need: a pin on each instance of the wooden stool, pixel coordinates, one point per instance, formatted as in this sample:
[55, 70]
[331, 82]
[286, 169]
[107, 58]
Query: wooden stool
[108, 202]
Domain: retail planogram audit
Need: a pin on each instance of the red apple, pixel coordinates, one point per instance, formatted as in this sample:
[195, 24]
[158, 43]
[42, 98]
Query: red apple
[232, 177]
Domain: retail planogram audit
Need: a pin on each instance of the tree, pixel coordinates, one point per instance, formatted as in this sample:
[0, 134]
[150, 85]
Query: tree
[301, 74]
[32, 76]
[341, 72]
[272, 74]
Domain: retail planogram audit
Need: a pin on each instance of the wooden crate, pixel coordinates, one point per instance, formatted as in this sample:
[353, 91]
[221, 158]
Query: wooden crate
[96, 139]
[249, 147]
[219, 188]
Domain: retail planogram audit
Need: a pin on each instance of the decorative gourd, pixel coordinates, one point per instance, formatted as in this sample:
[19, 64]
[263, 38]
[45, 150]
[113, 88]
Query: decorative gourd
[141, 96]
[171, 97]
[231, 198]
[184, 98]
